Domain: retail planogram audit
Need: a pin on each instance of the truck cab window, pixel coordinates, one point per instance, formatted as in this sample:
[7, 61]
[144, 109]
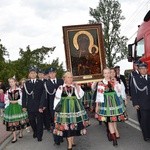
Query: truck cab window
[140, 48]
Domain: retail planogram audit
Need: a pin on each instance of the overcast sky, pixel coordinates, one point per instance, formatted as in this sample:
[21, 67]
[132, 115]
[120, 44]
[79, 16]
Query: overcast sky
[39, 22]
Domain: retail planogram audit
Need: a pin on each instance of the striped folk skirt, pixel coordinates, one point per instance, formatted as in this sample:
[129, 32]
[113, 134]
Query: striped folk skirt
[112, 109]
[87, 100]
[72, 118]
[15, 118]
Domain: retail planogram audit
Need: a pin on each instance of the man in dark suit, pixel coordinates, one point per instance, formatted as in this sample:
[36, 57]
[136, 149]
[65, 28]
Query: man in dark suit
[51, 86]
[121, 77]
[32, 103]
[140, 92]
[41, 76]
[133, 74]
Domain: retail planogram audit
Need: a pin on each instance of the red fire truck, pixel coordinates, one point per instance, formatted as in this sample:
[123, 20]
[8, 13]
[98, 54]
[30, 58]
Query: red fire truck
[140, 49]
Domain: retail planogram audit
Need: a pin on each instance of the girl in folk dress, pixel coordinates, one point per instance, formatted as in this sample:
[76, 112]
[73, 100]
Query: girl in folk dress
[120, 90]
[71, 119]
[110, 107]
[14, 118]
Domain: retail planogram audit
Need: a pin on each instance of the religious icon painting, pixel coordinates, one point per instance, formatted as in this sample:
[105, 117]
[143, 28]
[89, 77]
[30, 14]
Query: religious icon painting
[84, 49]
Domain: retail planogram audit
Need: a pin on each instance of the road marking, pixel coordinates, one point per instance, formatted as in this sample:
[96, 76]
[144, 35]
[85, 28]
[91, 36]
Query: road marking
[132, 120]
[133, 123]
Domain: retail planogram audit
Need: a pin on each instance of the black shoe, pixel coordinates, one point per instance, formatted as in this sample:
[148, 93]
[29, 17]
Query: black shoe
[146, 139]
[61, 141]
[39, 139]
[57, 143]
[115, 143]
[113, 136]
[100, 122]
[14, 141]
[73, 145]
[109, 136]
[20, 136]
[34, 135]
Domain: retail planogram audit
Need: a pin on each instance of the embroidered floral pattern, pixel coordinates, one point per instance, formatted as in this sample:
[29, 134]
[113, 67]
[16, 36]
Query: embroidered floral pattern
[120, 118]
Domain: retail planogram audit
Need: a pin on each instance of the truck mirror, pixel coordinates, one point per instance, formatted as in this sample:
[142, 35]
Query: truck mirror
[130, 58]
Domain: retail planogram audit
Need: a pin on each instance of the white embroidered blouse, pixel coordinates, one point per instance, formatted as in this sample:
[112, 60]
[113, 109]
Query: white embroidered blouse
[59, 91]
[6, 98]
[118, 87]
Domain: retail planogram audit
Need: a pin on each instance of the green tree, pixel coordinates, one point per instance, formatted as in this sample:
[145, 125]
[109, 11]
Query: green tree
[20, 67]
[3, 52]
[28, 57]
[34, 57]
[108, 13]
[3, 64]
[31, 57]
[7, 72]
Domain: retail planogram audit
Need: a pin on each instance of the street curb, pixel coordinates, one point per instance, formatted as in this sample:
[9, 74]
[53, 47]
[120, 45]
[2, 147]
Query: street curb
[6, 141]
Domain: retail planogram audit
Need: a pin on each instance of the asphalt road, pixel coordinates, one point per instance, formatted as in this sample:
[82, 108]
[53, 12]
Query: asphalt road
[131, 138]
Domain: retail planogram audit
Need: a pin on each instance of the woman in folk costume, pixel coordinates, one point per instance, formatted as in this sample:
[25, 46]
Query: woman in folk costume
[14, 118]
[71, 118]
[120, 90]
[110, 107]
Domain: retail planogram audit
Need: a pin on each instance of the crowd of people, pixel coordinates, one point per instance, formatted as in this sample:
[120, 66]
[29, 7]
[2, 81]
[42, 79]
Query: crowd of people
[62, 106]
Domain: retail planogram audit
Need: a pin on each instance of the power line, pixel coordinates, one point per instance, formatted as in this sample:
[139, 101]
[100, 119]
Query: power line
[132, 36]
[140, 13]
[134, 17]
[134, 13]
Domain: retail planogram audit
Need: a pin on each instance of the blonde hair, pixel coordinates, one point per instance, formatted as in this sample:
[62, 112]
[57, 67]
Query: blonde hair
[12, 79]
[106, 69]
[67, 74]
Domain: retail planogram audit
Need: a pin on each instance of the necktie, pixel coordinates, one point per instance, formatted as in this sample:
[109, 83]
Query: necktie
[144, 77]
[54, 82]
[33, 81]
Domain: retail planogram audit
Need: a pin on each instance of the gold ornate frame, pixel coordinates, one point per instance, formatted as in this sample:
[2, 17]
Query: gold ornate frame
[84, 49]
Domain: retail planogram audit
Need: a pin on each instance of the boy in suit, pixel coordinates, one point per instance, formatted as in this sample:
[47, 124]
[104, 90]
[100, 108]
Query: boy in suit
[32, 103]
[51, 86]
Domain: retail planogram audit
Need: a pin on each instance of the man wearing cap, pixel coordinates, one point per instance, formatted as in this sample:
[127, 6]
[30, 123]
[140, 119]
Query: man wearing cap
[32, 102]
[121, 77]
[46, 75]
[133, 74]
[51, 86]
[140, 92]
